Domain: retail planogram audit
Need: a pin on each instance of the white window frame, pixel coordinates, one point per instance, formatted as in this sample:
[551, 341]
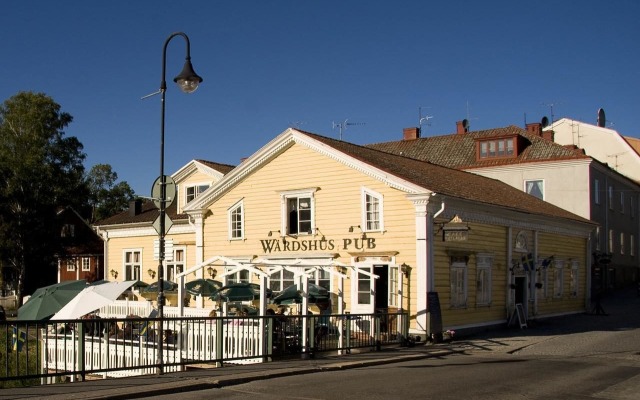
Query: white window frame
[610, 197]
[135, 275]
[573, 287]
[596, 191]
[198, 189]
[622, 248]
[458, 281]
[285, 196]
[280, 279]
[86, 263]
[365, 211]
[236, 233]
[484, 264]
[611, 244]
[176, 264]
[242, 276]
[539, 183]
[394, 288]
[558, 279]
[71, 264]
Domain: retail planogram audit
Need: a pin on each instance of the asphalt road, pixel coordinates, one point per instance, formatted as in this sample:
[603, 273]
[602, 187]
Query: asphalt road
[598, 364]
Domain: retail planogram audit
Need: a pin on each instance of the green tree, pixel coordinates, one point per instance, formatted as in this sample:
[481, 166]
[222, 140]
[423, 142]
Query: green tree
[40, 171]
[106, 196]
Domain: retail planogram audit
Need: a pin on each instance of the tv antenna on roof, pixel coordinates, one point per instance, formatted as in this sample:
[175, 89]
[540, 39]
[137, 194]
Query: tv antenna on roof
[343, 125]
[550, 105]
[423, 120]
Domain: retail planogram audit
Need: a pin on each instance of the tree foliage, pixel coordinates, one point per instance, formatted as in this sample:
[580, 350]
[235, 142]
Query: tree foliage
[40, 170]
[106, 196]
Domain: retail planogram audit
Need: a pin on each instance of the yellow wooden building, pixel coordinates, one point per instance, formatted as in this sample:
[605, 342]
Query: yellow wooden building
[379, 231]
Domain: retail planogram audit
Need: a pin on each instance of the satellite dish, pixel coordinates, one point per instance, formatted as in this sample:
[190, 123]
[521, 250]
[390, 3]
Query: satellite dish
[465, 125]
[601, 118]
[544, 122]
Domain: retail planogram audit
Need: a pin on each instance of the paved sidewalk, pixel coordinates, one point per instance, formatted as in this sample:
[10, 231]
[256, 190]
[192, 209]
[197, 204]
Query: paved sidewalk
[622, 309]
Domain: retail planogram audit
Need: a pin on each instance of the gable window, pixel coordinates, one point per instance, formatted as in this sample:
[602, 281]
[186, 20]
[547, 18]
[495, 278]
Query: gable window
[535, 188]
[236, 221]
[298, 211]
[596, 191]
[483, 279]
[86, 264]
[558, 280]
[191, 192]
[372, 210]
[132, 265]
[68, 230]
[458, 280]
[71, 264]
[176, 264]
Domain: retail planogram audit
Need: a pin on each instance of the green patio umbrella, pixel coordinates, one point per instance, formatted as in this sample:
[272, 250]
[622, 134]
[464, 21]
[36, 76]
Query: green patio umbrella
[167, 286]
[239, 292]
[293, 295]
[48, 300]
[202, 287]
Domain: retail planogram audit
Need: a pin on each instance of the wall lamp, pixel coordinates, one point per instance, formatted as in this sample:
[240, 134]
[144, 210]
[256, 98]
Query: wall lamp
[114, 273]
[151, 273]
[271, 232]
[319, 233]
[364, 235]
[342, 269]
[406, 270]
[212, 272]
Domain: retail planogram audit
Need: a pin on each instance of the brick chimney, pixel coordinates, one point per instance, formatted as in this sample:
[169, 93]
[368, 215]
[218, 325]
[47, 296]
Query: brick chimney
[135, 207]
[410, 133]
[548, 135]
[535, 128]
[462, 126]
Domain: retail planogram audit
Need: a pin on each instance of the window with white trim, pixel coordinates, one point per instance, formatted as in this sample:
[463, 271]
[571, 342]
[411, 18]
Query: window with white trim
[393, 285]
[280, 280]
[86, 264]
[132, 265]
[610, 197]
[598, 239]
[236, 221]
[458, 280]
[535, 188]
[176, 265]
[321, 278]
[191, 192]
[298, 208]
[483, 279]
[622, 243]
[558, 279]
[573, 287]
[364, 285]
[372, 210]
[611, 241]
[71, 264]
[242, 276]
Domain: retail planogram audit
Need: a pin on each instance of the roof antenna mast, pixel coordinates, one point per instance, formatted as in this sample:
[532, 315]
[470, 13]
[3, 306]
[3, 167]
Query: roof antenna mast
[423, 120]
[343, 125]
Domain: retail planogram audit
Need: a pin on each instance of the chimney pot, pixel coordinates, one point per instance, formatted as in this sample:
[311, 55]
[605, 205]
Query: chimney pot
[535, 128]
[462, 126]
[411, 133]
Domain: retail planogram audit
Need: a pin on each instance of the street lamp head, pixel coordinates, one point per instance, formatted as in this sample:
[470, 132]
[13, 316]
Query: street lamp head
[188, 80]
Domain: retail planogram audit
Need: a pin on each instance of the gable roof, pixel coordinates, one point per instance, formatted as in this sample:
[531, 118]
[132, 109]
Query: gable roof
[408, 174]
[459, 150]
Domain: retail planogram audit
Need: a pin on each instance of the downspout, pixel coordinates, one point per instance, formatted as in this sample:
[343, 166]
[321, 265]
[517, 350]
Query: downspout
[105, 237]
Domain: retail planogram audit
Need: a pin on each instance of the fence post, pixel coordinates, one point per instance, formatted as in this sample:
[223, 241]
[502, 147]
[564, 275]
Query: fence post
[377, 332]
[219, 321]
[80, 341]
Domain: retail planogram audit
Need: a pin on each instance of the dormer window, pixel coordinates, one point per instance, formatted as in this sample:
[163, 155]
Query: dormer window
[194, 191]
[498, 147]
[68, 230]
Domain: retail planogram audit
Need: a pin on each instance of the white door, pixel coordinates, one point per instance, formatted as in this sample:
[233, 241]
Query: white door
[363, 289]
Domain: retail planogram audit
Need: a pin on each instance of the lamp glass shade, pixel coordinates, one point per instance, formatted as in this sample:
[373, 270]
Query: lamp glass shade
[188, 80]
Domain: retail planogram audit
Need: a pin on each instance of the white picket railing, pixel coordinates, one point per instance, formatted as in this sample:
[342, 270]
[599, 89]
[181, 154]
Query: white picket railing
[124, 308]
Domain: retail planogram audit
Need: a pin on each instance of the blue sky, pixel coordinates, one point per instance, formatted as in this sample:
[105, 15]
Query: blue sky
[268, 65]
